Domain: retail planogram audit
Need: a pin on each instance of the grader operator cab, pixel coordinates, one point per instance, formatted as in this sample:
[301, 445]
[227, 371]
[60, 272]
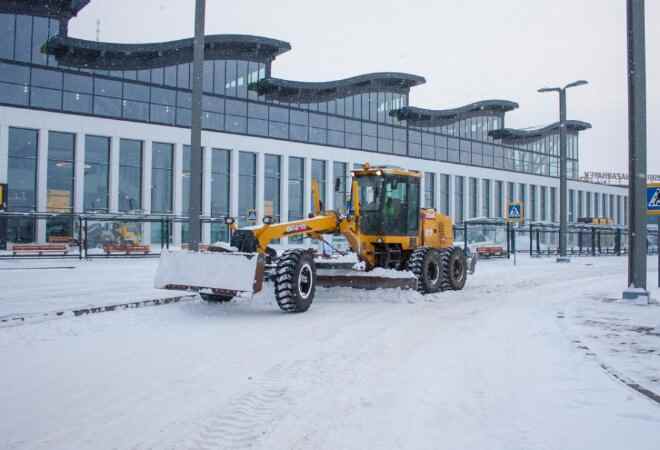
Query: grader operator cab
[384, 227]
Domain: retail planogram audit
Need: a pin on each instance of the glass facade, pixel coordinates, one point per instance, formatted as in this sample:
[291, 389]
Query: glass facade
[499, 198]
[186, 169]
[97, 173]
[296, 190]
[247, 185]
[319, 174]
[597, 212]
[544, 203]
[429, 190]
[533, 203]
[342, 194]
[272, 183]
[571, 206]
[474, 193]
[60, 184]
[445, 199]
[220, 191]
[553, 204]
[459, 188]
[162, 177]
[485, 198]
[580, 204]
[130, 175]
[22, 183]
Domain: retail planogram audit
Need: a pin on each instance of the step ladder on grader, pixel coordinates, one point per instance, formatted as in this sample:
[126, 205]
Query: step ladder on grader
[384, 227]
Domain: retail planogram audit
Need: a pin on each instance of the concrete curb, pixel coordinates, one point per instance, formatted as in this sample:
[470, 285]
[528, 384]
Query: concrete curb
[19, 319]
[648, 393]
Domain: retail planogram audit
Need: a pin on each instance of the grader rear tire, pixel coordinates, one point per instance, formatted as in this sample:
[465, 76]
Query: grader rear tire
[295, 281]
[454, 267]
[426, 264]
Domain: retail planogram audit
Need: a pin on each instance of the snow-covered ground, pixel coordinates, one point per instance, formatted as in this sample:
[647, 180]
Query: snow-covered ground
[512, 362]
[38, 286]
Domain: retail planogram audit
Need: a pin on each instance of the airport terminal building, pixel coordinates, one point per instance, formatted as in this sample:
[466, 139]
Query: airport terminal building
[93, 127]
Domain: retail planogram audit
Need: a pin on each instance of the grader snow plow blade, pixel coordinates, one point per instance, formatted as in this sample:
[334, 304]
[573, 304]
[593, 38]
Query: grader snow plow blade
[227, 272]
[330, 275]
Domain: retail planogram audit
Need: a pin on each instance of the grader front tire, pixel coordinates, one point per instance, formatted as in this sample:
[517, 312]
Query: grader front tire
[295, 281]
[426, 264]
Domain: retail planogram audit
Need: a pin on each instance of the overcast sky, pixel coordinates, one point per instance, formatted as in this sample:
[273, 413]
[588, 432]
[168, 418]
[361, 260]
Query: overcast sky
[467, 50]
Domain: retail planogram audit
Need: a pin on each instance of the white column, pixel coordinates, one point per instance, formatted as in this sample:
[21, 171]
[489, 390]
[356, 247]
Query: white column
[451, 208]
[79, 174]
[478, 197]
[284, 193]
[466, 197]
[491, 198]
[233, 184]
[113, 182]
[178, 192]
[307, 202]
[206, 192]
[329, 185]
[260, 184]
[307, 198]
[147, 163]
[437, 191]
[42, 182]
[4, 153]
[422, 192]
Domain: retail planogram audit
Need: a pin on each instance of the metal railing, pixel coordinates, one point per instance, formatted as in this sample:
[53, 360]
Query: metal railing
[103, 235]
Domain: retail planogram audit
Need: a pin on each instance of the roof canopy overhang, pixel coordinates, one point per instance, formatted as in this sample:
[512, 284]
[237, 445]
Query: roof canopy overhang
[437, 117]
[60, 9]
[113, 56]
[514, 135]
[311, 92]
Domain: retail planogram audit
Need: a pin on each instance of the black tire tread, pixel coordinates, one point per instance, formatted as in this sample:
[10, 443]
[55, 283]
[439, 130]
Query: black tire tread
[283, 279]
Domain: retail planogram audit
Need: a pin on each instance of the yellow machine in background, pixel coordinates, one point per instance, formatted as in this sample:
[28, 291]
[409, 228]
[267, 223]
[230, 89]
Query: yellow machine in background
[385, 227]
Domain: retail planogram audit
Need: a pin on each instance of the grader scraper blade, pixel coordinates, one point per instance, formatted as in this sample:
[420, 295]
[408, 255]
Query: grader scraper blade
[343, 275]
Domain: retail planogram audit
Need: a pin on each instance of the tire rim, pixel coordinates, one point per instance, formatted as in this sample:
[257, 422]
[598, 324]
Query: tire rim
[433, 272]
[305, 281]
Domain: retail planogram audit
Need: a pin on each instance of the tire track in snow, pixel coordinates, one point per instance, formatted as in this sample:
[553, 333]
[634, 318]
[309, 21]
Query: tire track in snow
[250, 417]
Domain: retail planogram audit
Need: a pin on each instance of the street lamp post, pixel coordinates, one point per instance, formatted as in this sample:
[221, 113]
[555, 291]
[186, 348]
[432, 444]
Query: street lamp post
[637, 152]
[196, 129]
[563, 163]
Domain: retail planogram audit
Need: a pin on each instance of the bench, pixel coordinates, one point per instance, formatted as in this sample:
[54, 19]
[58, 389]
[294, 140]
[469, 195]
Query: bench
[202, 247]
[40, 249]
[61, 240]
[126, 249]
[490, 251]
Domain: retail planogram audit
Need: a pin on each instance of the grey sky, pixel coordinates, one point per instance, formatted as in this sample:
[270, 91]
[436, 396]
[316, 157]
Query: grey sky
[468, 50]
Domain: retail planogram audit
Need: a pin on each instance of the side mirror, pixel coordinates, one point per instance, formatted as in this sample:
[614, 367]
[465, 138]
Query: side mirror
[268, 220]
[337, 184]
[229, 220]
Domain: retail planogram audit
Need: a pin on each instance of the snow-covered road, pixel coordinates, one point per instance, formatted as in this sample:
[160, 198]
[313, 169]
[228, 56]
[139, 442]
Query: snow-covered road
[497, 366]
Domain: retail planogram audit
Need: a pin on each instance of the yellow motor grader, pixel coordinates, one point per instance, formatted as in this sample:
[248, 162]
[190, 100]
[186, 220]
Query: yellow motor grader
[384, 227]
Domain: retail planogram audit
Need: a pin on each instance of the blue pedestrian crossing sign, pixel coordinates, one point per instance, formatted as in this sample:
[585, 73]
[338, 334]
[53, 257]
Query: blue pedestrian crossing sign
[515, 212]
[653, 199]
